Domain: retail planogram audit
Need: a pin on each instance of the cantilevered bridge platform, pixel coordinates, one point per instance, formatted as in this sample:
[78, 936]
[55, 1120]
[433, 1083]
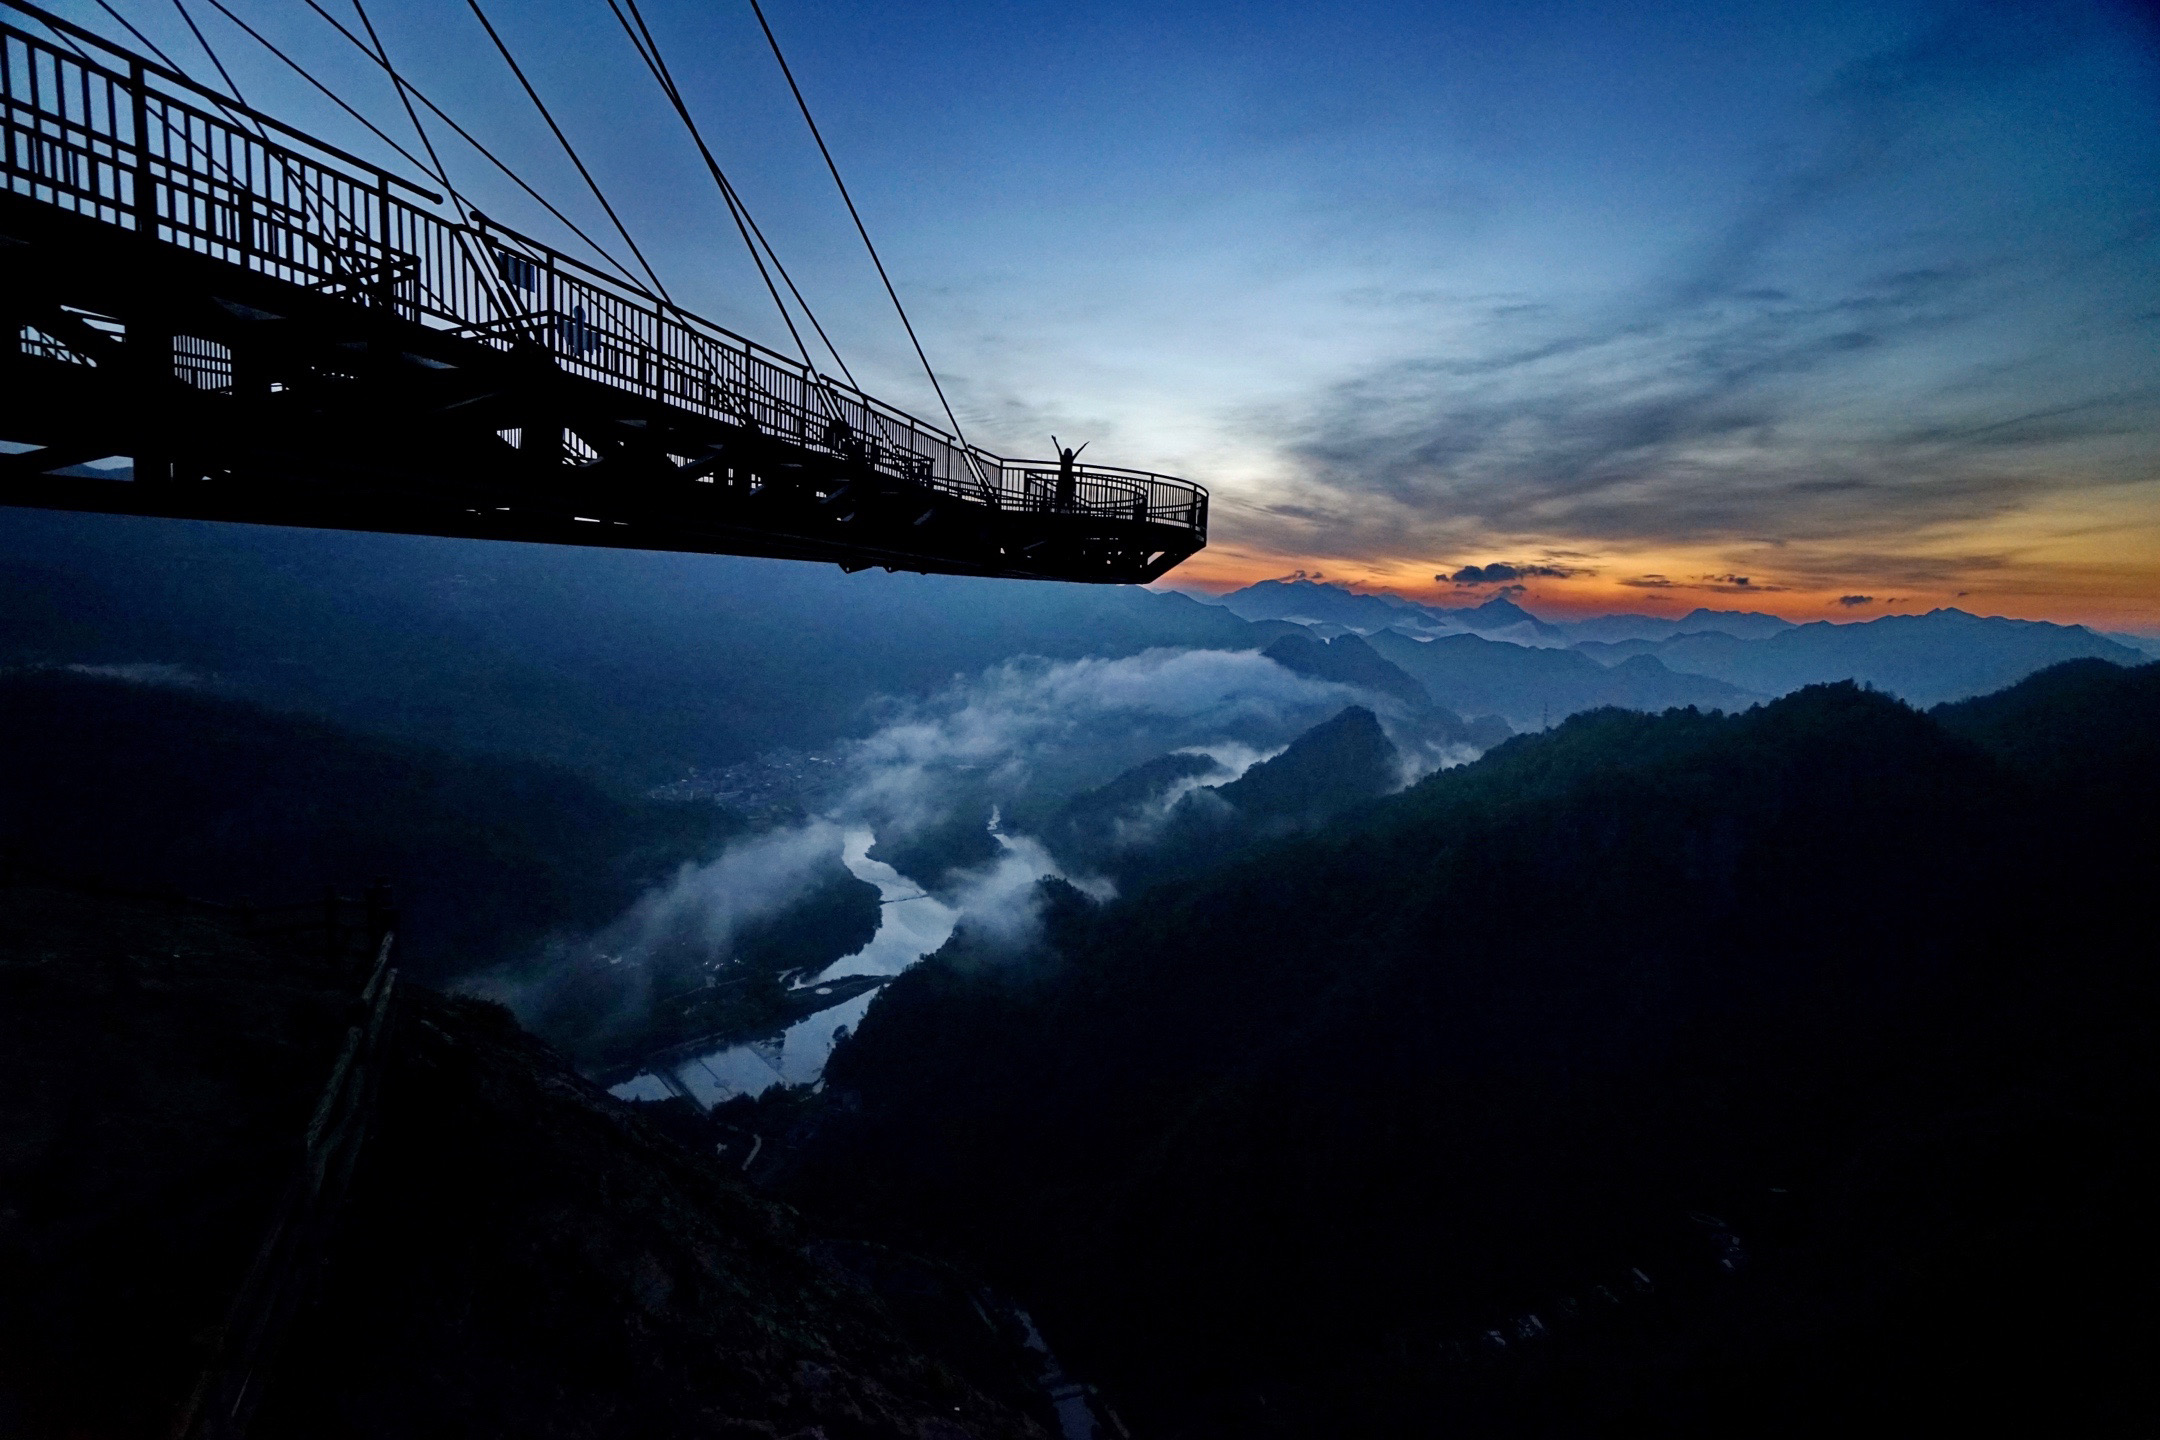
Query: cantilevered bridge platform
[276, 332]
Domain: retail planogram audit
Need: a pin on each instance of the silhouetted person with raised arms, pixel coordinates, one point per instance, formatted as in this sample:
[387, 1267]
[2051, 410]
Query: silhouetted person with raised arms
[1067, 468]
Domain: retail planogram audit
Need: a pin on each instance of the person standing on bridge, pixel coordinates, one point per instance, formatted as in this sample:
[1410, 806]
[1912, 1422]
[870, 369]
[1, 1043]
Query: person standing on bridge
[1067, 472]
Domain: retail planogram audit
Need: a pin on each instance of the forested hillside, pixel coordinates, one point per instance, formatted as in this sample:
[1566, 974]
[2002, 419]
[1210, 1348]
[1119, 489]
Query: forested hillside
[1660, 1074]
[147, 786]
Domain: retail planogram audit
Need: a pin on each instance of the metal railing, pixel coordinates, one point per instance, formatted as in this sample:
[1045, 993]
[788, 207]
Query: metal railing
[95, 129]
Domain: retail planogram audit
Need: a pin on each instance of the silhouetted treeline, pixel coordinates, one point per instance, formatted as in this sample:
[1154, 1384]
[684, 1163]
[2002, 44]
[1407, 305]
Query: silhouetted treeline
[1677, 1074]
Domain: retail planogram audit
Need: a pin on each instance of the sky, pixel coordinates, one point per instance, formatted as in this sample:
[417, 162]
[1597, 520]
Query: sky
[1830, 310]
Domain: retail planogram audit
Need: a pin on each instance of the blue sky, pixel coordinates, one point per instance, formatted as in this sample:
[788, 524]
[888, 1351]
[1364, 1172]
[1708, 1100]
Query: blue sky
[1674, 302]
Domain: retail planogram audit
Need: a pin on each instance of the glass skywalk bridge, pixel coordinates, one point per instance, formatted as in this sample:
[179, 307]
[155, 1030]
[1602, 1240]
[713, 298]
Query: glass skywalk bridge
[274, 331]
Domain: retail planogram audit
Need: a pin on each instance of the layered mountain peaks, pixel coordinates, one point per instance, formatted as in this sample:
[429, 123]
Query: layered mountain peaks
[1498, 657]
[1347, 660]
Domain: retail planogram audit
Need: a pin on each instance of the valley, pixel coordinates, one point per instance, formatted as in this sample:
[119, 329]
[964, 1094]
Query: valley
[1305, 1025]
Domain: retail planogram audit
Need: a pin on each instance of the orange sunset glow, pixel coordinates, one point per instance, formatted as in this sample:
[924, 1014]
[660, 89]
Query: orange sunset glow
[2095, 563]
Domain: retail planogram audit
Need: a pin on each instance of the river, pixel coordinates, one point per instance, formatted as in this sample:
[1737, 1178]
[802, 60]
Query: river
[911, 924]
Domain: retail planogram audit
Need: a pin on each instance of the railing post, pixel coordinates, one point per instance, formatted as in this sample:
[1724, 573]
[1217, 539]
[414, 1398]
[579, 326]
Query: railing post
[385, 284]
[149, 343]
[145, 206]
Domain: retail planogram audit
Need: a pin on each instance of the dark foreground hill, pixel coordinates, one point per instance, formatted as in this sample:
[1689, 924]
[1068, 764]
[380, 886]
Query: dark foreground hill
[1781, 1073]
[1330, 767]
[147, 786]
[519, 1254]
[1178, 814]
[150, 787]
[2082, 736]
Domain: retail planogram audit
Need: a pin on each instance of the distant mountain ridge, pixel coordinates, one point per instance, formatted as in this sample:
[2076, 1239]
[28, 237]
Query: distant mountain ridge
[2146, 645]
[1440, 732]
[1347, 660]
[1499, 658]
[1740, 624]
[1534, 688]
[1311, 602]
[634, 668]
[1943, 655]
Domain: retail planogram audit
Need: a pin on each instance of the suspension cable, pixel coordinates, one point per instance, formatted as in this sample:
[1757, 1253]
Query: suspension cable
[239, 118]
[311, 203]
[62, 38]
[175, 66]
[481, 260]
[564, 140]
[242, 118]
[443, 115]
[145, 41]
[648, 50]
[397, 83]
[647, 46]
[223, 73]
[860, 228]
[737, 208]
[657, 64]
[331, 95]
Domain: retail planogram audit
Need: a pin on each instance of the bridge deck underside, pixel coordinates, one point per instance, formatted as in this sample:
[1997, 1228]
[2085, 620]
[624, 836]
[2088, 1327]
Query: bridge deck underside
[241, 396]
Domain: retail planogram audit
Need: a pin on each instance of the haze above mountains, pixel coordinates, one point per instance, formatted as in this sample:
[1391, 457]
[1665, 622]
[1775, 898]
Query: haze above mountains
[640, 667]
[1499, 658]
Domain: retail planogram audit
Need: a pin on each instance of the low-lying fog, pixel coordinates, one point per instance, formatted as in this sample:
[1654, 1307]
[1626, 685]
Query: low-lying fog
[952, 794]
[912, 924]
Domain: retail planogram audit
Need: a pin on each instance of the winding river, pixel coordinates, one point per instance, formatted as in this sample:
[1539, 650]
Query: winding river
[911, 924]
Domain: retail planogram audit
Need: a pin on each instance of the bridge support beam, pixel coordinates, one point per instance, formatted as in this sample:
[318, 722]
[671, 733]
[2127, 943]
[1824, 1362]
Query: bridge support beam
[244, 397]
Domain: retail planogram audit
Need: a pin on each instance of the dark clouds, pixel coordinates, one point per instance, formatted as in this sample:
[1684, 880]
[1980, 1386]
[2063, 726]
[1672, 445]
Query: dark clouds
[1501, 572]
